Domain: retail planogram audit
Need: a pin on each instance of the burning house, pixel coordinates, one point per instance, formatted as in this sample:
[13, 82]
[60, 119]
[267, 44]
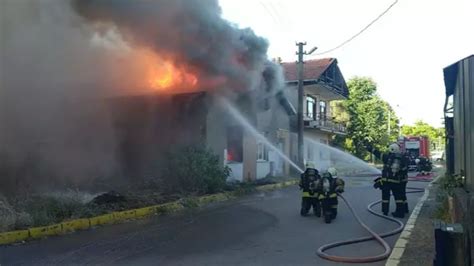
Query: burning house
[136, 56]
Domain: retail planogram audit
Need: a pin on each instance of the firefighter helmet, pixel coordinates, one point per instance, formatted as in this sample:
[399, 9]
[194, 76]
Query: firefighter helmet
[394, 148]
[332, 171]
[310, 165]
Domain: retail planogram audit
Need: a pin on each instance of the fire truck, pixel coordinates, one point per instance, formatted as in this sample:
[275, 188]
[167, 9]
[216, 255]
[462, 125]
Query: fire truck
[415, 147]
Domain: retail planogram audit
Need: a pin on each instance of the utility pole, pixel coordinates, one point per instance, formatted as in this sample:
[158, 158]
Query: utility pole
[389, 118]
[300, 63]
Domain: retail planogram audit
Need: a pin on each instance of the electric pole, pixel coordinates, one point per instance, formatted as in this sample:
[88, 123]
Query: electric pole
[300, 63]
[389, 118]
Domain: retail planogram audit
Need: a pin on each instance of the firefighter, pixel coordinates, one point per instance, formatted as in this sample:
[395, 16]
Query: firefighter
[424, 165]
[308, 184]
[336, 186]
[394, 173]
[404, 182]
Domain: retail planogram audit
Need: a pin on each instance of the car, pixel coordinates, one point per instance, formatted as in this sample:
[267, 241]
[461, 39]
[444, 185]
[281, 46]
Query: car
[437, 156]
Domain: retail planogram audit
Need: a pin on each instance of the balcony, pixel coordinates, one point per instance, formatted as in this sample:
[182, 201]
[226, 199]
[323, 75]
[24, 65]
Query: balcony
[324, 123]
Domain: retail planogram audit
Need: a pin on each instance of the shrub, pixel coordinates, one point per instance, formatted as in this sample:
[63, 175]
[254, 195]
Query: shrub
[45, 210]
[194, 170]
[7, 215]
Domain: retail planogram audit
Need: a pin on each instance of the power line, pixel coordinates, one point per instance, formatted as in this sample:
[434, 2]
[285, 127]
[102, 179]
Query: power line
[268, 11]
[361, 31]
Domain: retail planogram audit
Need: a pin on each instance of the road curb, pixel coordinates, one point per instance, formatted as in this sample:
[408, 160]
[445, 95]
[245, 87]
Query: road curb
[404, 238]
[123, 216]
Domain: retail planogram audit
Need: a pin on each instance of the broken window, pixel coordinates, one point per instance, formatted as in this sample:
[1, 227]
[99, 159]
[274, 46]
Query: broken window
[234, 144]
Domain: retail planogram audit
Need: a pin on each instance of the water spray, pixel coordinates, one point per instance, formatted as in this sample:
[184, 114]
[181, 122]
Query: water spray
[373, 235]
[227, 105]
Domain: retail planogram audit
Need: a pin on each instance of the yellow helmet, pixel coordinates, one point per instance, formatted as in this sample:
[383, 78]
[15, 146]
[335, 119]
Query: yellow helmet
[332, 171]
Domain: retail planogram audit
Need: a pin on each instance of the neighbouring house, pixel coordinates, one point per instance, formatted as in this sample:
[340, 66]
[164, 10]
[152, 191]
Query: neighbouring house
[323, 82]
[459, 122]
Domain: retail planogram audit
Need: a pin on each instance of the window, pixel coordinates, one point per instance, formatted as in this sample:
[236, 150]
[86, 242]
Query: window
[262, 153]
[234, 144]
[262, 150]
[311, 107]
[322, 110]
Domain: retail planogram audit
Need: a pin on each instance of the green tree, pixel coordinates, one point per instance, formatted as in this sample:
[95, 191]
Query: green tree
[420, 128]
[367, 117]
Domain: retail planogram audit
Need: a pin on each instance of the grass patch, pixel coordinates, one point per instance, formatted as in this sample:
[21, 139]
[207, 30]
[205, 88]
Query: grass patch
[446, 186]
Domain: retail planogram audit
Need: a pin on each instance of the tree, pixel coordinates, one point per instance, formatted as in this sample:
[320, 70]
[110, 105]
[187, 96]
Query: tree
[420, 128]
[367, 117]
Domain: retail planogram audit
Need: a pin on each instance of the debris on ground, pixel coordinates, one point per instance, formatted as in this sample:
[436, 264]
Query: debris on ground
[110, 197]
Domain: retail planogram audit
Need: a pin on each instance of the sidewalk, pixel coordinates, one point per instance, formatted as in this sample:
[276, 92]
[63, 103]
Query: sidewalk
[420, 245]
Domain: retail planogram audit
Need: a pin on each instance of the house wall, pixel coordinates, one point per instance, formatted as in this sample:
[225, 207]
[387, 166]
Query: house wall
[463, 116]
[216, 131]
[464, 121]
[274, 122]
[314, 151]
[237, 171]
[149, 126]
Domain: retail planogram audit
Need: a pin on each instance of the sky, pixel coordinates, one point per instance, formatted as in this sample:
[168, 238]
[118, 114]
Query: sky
[404, 52]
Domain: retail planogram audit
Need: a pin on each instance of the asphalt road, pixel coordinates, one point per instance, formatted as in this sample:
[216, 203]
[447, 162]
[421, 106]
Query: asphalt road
[259, 229]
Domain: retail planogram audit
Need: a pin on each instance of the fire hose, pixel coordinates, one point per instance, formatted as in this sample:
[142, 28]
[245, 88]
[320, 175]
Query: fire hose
[373, 235]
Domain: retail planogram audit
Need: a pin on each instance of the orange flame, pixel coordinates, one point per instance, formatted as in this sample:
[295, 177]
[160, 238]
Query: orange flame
[167, 75]
[162, 74]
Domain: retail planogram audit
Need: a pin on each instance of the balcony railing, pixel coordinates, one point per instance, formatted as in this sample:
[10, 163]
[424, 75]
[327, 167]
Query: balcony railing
[324, 123]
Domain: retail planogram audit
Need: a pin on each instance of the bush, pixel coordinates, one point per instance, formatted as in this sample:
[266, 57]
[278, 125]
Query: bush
[194, 170]
[45, 210]
[7, 215]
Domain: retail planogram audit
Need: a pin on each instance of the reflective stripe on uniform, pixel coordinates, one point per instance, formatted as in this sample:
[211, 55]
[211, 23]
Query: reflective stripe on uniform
[391, 180]
[307, 195]
[333, 195]
[399, 201]
[333, 206]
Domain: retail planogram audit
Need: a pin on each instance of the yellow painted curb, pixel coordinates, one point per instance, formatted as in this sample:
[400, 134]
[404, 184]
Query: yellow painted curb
[14, 236]
[103, 219]
[44, 231]
[124, 215]
[74, 225]
[144, 212]
[115, 217]
[214, 198]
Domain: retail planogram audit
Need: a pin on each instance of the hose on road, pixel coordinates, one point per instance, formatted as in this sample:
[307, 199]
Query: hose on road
[373, 235]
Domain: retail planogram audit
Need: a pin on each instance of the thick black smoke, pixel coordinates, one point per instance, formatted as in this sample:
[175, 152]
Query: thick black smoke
[192, 32]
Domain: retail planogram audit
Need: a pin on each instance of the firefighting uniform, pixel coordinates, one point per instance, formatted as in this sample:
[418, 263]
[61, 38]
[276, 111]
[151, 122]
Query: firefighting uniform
[309, 197]
[337, 186]
[404, 182]
[424, 166]
[393, 182]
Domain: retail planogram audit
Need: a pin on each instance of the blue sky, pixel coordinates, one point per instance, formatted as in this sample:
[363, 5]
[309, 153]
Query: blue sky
[404, 52]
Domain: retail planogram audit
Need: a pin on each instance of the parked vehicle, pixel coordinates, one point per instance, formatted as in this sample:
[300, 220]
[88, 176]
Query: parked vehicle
[437, 156]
